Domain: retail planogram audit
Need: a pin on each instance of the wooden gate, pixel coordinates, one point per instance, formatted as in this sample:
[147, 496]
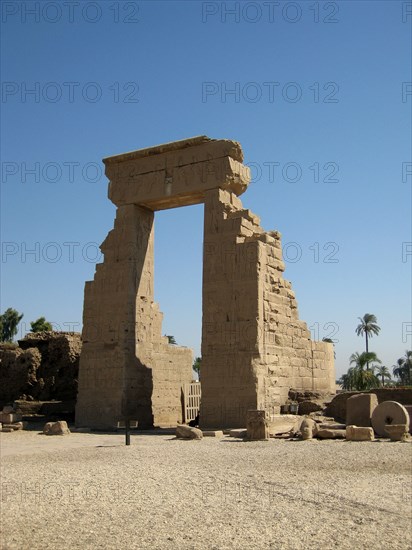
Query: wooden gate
[192, 394]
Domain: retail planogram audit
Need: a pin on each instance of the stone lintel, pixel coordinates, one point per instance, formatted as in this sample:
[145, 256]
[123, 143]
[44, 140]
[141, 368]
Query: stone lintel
[176, 174]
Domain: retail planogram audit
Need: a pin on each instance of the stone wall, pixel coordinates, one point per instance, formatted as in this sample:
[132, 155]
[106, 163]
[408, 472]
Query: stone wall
[125, 363]
[254, 346]
[44, 366]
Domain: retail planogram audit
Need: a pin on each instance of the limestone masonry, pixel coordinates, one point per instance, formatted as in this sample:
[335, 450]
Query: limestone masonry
[254, 347]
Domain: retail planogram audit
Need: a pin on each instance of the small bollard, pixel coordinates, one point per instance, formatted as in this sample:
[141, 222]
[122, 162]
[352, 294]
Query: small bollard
[127, 426]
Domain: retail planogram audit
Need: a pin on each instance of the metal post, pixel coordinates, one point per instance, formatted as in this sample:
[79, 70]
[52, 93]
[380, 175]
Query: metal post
[127, 425]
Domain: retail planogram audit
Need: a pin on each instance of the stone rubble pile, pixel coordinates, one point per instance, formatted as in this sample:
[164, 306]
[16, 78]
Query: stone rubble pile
[10, 421]
[365, 418]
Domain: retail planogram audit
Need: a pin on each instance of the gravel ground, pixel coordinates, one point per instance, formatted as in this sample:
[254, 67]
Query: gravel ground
[90, 491]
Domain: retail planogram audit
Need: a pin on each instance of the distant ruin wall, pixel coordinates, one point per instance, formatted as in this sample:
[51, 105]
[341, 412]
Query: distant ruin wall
[43, 367]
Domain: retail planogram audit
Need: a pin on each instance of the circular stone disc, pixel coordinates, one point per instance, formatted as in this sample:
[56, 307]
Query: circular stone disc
[389, 412]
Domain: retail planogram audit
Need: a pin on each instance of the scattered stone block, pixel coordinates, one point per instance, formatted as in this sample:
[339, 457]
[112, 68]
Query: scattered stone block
[212, 433]
[307, 407]
[332, 426]
[325, 433]
[187, 432]
[238, 432]
[321, 418]
[10, 418]
[283, 423]
[397, 432]
[388, 413]
[8, 409]
[359, 433]
[359, 409]
[257, 426]
[56, 428]
[7, 430]
[15, 425]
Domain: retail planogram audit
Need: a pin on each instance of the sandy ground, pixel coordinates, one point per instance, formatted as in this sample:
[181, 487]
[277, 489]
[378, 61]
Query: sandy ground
[91, 491]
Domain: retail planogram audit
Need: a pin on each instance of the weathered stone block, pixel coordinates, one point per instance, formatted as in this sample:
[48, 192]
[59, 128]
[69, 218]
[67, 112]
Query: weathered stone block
[56, 428]
[10, 418]
[212, 433]
[325, 433]
[257, 425]
[359, 433]
[187, 432]
[397, 432]
[359, 409]
[238, 432]
[306, 407]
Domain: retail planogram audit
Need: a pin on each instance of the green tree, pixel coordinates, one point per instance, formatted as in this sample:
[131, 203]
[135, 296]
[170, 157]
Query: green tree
[357, 378]
[348, 380]
[41, 325]
[171, 339]
[363, 359]
[9, 321]
[197, 364]
[403, 369]
[382, 372]
[368, 326]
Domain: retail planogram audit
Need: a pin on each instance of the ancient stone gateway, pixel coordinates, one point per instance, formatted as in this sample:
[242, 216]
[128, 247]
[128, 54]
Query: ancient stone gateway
[254, 347]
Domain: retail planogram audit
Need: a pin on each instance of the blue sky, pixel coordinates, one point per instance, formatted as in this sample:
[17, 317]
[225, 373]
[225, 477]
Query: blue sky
[317, 93]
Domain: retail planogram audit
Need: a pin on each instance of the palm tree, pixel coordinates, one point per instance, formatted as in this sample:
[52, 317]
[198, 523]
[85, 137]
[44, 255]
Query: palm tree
[403, 368]
[368, 326]
[383, 373]
[348, 380]
[364, 358]
[357, 377]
